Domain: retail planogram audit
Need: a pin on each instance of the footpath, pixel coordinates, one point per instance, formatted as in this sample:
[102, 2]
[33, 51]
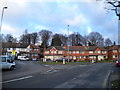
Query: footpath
[114, 81]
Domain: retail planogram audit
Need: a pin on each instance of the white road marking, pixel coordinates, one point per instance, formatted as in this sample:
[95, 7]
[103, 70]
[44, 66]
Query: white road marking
[48, 71]
[105, 80]
[17, 79]
[51, 67]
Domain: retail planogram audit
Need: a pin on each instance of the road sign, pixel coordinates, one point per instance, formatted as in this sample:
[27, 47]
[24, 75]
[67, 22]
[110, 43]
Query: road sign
[13, 52]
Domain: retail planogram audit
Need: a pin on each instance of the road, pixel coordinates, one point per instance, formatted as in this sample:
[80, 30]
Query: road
[58, 76]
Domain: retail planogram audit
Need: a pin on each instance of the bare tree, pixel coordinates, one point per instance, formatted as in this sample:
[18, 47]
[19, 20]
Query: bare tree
[108, 42]
[10, 38]
[64, 39]
[115, 6]
[34, 37]
[25, 38]
[96, 39]
[45, 37]
[56, 40]
[76, 39]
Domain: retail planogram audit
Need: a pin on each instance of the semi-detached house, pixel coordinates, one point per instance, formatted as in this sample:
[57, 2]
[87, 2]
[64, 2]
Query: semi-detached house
[30, 50]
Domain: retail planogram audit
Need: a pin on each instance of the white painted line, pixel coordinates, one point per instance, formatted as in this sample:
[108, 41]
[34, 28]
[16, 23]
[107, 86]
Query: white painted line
[16, 79]
[49, 71]
[105, 80]
[51, 67]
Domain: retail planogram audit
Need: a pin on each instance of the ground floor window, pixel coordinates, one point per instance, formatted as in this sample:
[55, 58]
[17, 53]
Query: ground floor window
[115, 56]
[82, 57]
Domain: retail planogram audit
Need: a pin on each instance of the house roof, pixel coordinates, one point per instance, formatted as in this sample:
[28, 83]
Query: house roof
[18, 45]
[77, 48]
[115, 47]
[92, 48]
[8, 45]
[34, 46]
[57, 47]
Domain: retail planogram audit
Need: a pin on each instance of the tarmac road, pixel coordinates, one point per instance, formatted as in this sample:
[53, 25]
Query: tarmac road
[82, 76]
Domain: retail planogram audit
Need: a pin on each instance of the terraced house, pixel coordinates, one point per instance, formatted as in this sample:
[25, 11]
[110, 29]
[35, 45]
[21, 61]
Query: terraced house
[114, 52]
[77, 52]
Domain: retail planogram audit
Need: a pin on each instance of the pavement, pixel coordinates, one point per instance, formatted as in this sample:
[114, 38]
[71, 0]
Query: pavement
[115, 76]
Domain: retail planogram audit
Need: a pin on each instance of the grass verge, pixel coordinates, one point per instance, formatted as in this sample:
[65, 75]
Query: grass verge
[115, 84]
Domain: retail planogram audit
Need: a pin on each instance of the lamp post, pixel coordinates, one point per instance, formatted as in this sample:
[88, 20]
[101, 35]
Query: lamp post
[2, 17]
[0, 30]
[68, 43]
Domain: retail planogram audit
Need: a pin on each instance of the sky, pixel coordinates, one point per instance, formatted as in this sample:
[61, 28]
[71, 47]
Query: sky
[83, 16]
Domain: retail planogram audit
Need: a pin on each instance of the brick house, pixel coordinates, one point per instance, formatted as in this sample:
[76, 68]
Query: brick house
[77, 52]
[97, 53]
[114, 52]
[30, 50]
[54, 52]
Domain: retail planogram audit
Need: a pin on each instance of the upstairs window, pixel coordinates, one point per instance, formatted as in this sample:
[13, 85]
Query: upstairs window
[103, 51]
[59, 52]
[73, 52]
[114, 51]
[54, 52]
[90, 51]
[82, 52]
[97, 51]
[77, 52]
[46, 52]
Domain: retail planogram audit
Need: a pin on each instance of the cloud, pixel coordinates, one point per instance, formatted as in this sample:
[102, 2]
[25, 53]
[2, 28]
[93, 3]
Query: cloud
[89, 29]
[8, 29]
[76, 21]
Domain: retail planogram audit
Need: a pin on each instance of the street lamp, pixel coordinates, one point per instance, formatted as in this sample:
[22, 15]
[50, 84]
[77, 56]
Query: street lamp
[68, 42]
[2, 17]
[0, 30]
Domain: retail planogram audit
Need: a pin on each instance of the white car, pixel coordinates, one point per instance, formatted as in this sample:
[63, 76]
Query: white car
[6, 62]
[23, 58]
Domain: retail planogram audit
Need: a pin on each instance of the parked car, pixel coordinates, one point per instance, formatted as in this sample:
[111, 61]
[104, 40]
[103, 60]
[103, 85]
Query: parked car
[61, 60]
[6, 62]
[23, 58]
[118, 62]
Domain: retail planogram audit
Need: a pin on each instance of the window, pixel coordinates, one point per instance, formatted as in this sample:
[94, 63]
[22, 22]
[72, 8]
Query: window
[35, 54]
[82, 52]
[82, 57]
[77, 52]
[73, 52]
[115, 56]
[60, 52]
[90, 51]
[36, 49]
[91, 57]
[97, 51]
[53, 52]
[114, 51]
[103, 51]
[46, 52]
